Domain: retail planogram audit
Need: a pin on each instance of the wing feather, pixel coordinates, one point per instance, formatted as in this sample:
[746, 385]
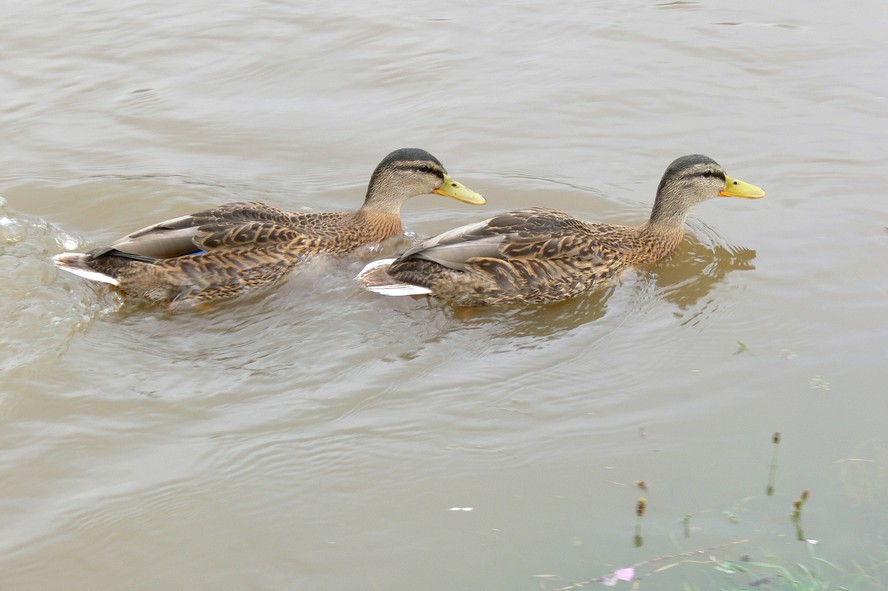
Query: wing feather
[537, 233]
[230, 225]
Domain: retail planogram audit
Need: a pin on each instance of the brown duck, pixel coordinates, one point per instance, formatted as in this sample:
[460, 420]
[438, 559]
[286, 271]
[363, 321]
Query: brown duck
[237, 247]
[546, 255]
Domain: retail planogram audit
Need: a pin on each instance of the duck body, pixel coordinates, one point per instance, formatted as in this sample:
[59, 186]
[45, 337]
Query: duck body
[543, 255]
[226, 251]
[526, 256]
[238, 247]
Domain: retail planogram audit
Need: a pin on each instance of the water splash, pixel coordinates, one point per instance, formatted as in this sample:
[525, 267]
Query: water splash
[43, 312]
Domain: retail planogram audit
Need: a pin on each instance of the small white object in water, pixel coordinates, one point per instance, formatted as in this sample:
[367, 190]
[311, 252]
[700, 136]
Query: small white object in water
[818, 383]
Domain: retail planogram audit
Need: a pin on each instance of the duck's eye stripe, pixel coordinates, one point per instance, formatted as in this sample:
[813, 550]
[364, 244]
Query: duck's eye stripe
[423, 168]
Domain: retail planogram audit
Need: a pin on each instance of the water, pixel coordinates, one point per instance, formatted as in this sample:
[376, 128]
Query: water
[320, 437]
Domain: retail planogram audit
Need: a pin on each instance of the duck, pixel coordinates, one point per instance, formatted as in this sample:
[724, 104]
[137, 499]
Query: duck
[236, 248]
[544, 255]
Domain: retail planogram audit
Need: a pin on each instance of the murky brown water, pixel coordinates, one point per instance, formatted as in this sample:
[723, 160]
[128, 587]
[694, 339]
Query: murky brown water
[320, 437]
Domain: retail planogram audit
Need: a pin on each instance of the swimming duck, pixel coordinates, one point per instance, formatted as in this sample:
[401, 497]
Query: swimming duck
[544, 255]
[237, 247]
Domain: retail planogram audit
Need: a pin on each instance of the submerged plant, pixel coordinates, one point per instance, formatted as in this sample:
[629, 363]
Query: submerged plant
[775, 577]
[775, 439]
[796, 516]
[640, 508]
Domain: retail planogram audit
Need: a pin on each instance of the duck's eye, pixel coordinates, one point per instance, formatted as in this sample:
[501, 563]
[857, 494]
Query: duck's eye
[424, 168]
[707, 174]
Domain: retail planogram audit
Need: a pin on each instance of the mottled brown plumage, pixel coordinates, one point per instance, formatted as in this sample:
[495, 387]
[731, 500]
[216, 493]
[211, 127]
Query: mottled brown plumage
[546, 255]
[237, 247]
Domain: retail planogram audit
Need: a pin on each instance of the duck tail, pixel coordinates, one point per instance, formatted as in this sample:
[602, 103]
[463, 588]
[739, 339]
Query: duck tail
[81, 265]
[374, 277]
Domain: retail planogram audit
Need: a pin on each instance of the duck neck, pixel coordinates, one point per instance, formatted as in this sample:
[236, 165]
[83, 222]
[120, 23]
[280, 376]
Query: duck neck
[659, 238]
[384, 194]
[382, 202]
[668, 211]
[379, 223]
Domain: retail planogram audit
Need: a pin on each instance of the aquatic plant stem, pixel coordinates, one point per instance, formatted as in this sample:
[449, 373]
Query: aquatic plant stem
[775, 439]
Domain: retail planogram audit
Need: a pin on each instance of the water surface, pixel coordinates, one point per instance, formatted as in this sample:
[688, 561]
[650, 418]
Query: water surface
[320, 437]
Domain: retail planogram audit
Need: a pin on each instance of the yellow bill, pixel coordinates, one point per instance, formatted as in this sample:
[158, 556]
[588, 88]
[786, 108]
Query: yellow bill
[738, 188]
[460, 192]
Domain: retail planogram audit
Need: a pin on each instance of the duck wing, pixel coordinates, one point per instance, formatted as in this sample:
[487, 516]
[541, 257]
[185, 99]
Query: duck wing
[235, 225]
[166, 239]
[230, 225]
[536, 233]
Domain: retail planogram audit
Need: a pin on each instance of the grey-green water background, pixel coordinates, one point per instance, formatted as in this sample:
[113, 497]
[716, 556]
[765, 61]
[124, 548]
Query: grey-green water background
[318, 437]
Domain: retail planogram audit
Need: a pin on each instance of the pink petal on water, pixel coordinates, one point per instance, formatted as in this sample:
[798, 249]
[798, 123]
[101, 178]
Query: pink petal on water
[625, 574]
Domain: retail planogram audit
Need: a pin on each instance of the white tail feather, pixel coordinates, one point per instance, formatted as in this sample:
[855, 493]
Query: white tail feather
[74, 262]
[398, 289]
[373, 277]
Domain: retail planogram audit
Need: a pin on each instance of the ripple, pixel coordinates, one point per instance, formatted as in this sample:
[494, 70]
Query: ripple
[43, 315]
[699, 264]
